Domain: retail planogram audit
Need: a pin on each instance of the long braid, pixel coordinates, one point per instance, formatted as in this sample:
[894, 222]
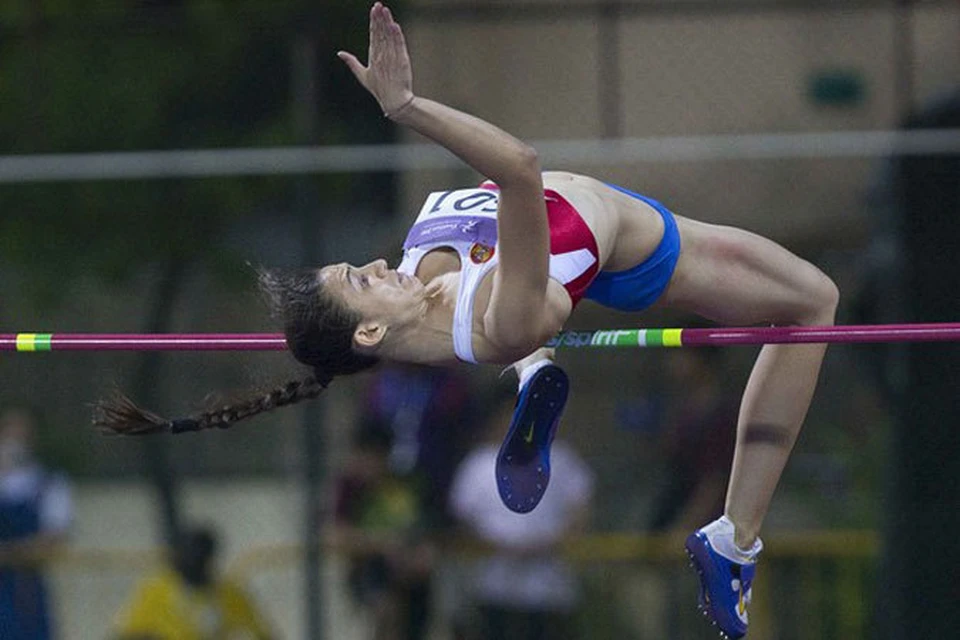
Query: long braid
[119, 415]
[319, 330]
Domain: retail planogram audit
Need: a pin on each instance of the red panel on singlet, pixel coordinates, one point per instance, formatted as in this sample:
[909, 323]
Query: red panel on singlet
[568, 232]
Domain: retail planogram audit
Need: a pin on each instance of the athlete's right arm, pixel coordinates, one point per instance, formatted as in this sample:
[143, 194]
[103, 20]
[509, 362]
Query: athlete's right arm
[494, 153]
[517, 316]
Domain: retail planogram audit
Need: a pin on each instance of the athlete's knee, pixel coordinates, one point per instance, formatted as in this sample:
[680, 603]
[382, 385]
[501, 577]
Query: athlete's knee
[822, 297]
[828, 296]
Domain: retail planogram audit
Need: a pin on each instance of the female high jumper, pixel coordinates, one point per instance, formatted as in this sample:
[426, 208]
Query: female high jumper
[490, 274]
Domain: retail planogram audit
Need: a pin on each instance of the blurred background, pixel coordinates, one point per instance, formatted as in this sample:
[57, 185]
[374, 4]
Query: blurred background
[156, 152]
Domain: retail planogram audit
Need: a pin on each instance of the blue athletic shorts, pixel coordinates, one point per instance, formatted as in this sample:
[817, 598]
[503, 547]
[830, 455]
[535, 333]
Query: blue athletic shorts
[637, 288]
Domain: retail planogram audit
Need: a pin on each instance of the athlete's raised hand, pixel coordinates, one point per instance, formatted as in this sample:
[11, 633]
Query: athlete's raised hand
[388, 75]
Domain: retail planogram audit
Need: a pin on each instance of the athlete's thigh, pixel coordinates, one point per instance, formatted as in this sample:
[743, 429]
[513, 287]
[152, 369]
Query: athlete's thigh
[735, 276]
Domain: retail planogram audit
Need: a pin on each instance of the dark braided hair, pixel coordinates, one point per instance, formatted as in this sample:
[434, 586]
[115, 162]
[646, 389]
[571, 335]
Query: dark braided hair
[319, 332]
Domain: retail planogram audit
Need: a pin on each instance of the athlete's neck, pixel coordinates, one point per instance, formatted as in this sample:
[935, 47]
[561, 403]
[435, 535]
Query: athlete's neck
[429, 341]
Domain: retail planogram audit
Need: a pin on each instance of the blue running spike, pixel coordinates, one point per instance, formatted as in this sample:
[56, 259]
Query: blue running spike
[725, 585]
[523, 464]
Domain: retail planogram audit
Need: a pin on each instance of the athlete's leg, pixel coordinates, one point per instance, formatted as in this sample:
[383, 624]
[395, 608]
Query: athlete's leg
[736, 277]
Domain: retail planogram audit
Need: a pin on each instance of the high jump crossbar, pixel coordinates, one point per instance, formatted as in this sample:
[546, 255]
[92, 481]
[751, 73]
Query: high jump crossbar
[720, 336]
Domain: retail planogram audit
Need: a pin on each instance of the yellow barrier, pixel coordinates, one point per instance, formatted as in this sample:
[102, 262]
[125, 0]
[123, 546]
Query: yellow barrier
[605, 547]
[625, 547]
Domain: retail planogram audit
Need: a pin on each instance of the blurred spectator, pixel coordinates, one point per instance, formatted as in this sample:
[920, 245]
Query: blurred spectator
[380, 524]
[524, 589]
[697, 441]
[35, 513]
[423, 408]
[187, 600]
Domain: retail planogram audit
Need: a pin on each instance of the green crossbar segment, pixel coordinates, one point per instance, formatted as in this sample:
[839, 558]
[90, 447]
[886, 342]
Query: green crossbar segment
[619, 338]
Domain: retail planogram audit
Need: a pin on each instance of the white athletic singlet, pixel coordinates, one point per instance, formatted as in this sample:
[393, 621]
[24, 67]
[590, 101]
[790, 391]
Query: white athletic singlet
[465, 220]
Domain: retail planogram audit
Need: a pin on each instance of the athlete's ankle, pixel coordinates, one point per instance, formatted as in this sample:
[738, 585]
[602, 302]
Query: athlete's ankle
[724, 537]
[746, 540]
[526, 370]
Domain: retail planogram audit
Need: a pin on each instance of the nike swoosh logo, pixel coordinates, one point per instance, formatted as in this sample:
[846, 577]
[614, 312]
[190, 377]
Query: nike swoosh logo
[528, 438]
[742, 604]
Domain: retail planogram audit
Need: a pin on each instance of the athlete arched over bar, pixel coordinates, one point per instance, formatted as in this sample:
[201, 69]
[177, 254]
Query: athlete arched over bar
[490, 274]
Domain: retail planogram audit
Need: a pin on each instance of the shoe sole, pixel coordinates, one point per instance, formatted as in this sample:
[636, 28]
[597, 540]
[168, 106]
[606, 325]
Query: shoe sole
[523, 463]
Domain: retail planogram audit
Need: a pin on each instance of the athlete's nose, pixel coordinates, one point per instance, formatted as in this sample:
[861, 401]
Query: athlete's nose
[380, 267]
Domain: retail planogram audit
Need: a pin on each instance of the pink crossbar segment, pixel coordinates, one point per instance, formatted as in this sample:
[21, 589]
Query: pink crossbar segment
[721, 336]
[143, 342]
[930, 332]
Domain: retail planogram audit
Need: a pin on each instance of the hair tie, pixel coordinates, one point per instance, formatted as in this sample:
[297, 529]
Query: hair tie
[183, 425]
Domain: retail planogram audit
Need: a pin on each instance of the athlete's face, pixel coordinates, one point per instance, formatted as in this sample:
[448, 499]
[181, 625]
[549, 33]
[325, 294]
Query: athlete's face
[375, 292]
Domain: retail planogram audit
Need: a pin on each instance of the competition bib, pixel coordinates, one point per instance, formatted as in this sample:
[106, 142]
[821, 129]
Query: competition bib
[463, 215]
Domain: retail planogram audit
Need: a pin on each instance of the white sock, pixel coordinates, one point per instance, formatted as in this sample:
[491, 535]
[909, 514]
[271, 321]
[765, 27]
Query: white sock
[527, 372]
[720, 532]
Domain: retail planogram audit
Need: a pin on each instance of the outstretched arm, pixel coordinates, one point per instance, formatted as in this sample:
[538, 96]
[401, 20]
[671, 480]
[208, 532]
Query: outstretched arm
[516, 317]
[491, 151]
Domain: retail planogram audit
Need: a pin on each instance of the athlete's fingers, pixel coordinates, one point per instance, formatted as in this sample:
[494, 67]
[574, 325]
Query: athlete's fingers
[354, 65]
[388, 15]
[400, 37]
[386, 42]
[391, 26]
[390, 37]
[379, 37]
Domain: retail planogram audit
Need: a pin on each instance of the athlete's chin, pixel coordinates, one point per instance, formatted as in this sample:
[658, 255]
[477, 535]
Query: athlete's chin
[414, 286]
[411, 283]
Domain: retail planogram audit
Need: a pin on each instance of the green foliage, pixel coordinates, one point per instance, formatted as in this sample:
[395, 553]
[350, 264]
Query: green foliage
[114, 75]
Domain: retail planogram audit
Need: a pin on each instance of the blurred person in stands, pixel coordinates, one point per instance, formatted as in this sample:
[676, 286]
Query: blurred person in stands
[379, 523]
[523, 587]
[35, 513]
[187, 600]
[423, 408]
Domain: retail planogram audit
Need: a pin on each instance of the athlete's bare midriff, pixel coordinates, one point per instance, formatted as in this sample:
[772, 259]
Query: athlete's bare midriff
[627, 230]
